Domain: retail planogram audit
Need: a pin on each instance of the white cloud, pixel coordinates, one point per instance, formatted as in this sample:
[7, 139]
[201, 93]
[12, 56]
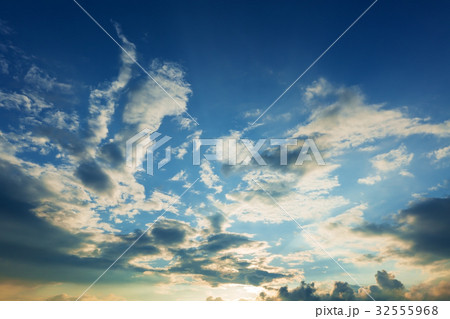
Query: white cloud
[41, 80]
[208, 177]
[253, 206]
[350, 122]
[304, 197]
[62, 120]
[185, 122]
[182, 150]
[337, 236]
[440, 153]
[103, 101]
[149, 104]
[317, 89]
[406, 173]
[371, 148]
[396, 159]
[392, 160]
[180, 176]
[370, 180]
[24, 101]
[252, 113]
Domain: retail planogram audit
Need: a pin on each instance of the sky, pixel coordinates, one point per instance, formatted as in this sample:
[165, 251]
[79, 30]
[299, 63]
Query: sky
[372, 223]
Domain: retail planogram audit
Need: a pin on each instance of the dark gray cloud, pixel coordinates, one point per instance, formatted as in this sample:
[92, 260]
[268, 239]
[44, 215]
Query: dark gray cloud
[427, 226]
[209, 261]
[304, 292]
[217, 221]
[424, 224]
[29, 244]
[221, 269]
[342, 291]
[218, 242]
[93, 176]
[387, 281]
[387, 288]
[144, 246]
[34, 249]
[66, 140]
[112, 154]
[169, 232]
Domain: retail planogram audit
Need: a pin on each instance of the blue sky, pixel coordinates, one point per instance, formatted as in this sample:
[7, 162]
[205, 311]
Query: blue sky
[376, 105]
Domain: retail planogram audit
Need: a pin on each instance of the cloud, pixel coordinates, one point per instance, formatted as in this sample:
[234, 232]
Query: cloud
[387, 288]
[439, 290]
[394, 160]
[329, 123]
[58, 228]
[112, 154]
[318, 88]
[58, 225]
[224, 269]
[103, 101]
[406, 173]
[369, 180]
[180, 176]
[86, 297]
[149, 104]
[4, 28]
[304, 197]
[66, 141]
[4, 66]
[62, 120]
[93, 176]
[168, 233]
[223, 241]
[304, 292]
[182, 150]
[309, 292]
[27, 102]
[208, 177]
[214, 260]
[41, 80]
[422, 227]
[217, 222]
[211, 298]
[424, 223]
[30, 242]
[387, 281]
[342, 291]
[252, 113]
[439, 154]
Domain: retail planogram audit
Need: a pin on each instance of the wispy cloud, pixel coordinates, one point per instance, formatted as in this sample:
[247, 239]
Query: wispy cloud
[350, 121]
[395, 160]
[440, 154]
